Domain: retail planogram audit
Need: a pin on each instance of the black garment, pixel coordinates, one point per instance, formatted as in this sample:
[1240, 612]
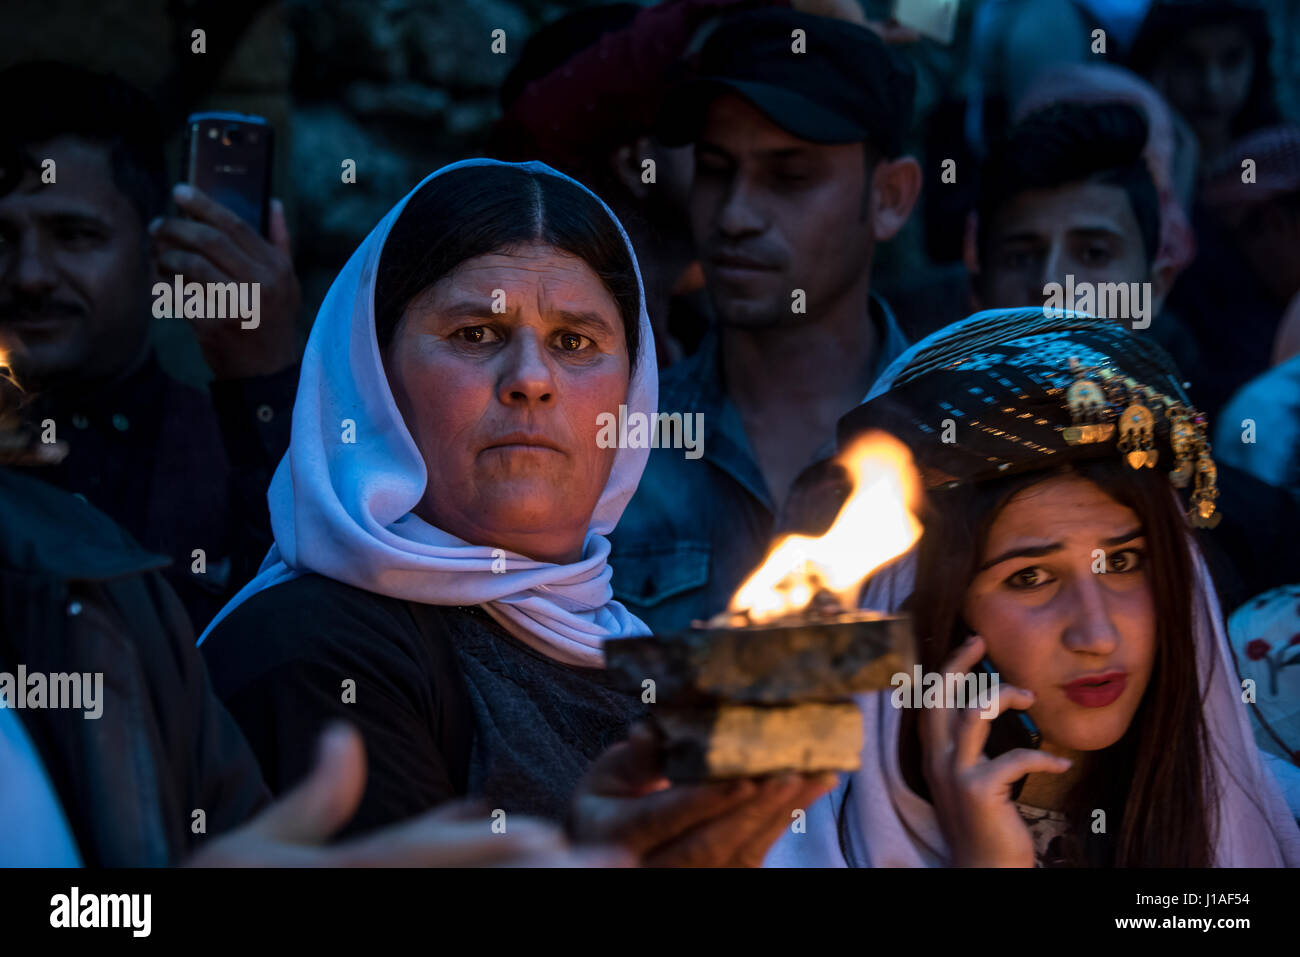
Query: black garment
[77, 595]
[1220, 322]
[1253, 550]
[180, 470]
[448, 702]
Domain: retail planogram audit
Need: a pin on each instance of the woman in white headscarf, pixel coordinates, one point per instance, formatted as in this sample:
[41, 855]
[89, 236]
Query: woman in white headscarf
[439, 573]
[1056, 550]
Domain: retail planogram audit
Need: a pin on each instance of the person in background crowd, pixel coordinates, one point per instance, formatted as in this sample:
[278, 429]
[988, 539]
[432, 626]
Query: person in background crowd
[799, 173]
[82, 242]
[1210, 60]
[1263, 634]
[584, 98]
[1067, 193]
[1248, 232]
[1170, 150]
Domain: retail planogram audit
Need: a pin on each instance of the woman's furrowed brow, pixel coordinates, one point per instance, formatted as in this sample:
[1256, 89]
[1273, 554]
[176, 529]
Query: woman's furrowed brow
[1026, 551]
[583, 319]
[477, 308]
[580, 319]
[1038, 551]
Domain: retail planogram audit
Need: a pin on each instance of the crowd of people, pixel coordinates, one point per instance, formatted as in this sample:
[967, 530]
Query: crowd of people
[349, 604]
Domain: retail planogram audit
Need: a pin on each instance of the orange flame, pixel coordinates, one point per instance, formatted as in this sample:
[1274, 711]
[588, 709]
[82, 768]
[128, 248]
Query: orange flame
[877, 524]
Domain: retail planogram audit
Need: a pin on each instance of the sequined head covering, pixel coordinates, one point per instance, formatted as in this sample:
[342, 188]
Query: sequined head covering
[1011, 390]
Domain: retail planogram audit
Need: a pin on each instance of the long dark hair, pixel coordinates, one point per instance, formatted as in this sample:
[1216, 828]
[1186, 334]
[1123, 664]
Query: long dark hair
[1153, 784]
[477, 210]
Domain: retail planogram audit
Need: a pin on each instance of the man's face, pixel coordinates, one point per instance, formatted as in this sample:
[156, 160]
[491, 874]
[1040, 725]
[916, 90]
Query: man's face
[1087, 230]
[772, 213]
[75, 271]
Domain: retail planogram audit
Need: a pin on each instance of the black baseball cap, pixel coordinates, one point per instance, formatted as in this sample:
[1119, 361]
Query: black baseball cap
[847, 86]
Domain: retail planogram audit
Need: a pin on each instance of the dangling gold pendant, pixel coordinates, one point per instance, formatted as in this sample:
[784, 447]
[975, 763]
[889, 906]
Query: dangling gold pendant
[1134, 427]
[1084, 396]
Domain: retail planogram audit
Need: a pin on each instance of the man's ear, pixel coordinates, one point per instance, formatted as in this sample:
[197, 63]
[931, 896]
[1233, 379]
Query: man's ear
[626, 162]
[895, 185]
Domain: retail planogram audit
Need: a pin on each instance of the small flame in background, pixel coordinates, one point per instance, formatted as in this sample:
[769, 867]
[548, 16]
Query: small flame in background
[877, 524]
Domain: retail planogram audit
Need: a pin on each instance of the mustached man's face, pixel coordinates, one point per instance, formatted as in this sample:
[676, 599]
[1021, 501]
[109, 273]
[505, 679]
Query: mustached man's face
[772, 213]
[75, 271]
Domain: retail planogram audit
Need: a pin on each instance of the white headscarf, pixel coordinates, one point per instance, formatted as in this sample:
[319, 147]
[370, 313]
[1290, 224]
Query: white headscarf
[890, 825]
[343, 510]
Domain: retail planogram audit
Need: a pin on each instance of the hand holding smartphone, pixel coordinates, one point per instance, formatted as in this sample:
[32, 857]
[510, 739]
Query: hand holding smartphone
[1011, 729]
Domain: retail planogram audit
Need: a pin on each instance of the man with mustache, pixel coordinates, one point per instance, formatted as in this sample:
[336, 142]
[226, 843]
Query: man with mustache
[82, 242]
[798, 124]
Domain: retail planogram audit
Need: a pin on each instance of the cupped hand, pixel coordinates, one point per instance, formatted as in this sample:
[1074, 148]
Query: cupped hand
[625, 800]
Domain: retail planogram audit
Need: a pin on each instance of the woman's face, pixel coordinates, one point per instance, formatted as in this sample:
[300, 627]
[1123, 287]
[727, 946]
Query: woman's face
[1081, 639]
[500, 370]
[1207, 78]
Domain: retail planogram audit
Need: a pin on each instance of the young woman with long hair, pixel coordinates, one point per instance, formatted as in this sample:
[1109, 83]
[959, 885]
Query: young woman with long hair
[1056, 547]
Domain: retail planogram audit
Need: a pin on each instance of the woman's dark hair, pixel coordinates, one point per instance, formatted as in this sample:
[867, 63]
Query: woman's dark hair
[479, 210]
[1153, 784]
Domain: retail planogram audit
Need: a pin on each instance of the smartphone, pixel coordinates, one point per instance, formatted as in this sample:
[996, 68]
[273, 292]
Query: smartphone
[1011, 729]
[228, 156]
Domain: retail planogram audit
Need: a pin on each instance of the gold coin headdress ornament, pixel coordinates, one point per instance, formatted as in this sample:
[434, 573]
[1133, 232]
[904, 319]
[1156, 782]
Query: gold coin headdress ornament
[1012, 390]
[1103, 403]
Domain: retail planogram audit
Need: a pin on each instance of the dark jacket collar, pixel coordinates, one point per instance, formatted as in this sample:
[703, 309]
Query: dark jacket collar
[47, 531]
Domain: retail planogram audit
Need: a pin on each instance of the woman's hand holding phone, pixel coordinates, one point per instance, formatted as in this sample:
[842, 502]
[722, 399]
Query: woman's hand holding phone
[970, 792]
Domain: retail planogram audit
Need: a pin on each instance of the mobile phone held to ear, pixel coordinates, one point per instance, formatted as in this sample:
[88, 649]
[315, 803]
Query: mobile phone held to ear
[228, 156]
[1011, 729]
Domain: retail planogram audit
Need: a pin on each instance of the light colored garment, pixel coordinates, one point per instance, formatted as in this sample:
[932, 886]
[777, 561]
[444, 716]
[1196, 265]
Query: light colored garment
[33, 829]
[1259, 429]
[1265, 636]
[344, 510]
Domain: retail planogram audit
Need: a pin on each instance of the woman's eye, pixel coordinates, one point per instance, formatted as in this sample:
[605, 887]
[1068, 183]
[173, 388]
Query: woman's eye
[1028, 578]
[476, 334]
[572, 342]
[1129, 560]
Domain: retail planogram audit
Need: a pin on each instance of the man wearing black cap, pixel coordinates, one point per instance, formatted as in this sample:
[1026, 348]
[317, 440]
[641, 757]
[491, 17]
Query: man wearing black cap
[798, 123]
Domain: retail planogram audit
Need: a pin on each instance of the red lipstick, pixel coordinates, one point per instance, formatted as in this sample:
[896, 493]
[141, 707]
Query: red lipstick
[1096, 691]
